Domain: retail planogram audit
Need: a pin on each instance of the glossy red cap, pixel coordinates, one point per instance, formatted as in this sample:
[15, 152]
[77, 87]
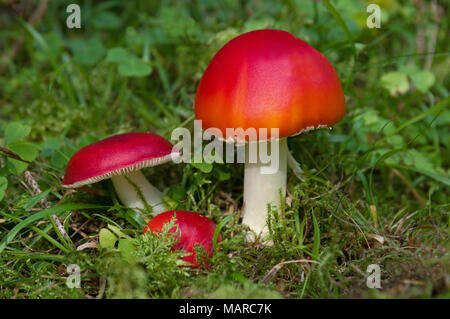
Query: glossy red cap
[194, 229]
[269, 79]
[116, 155]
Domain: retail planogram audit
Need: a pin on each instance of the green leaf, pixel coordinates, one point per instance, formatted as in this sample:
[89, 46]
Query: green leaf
[177, 24]
[395, 82]
[204, 167]
[116, 230]
[87, 52]
[15, 132]
[134, 68]
[177, 193]
[443, 118]
[106, 20]
[3, 186]
[107, 239]
[418, 160]
[423, 80]
[49, 146]
[28, 151]
[127, 248]
[369, 117]
[129, 64]
[119, 55]
[221, 175]
[61, 156]
[395, 140]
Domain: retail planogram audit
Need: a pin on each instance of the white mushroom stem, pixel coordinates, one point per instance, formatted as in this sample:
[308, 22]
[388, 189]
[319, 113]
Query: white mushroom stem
[129, 196]
[264, 185]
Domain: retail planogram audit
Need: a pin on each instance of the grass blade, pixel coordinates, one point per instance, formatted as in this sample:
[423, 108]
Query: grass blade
[316, 243]
[219, 227]
[341, 23]
[433, 109]
[56, 210]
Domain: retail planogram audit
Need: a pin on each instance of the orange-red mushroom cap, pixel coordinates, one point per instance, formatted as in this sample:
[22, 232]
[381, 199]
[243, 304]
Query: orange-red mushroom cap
[269, 79]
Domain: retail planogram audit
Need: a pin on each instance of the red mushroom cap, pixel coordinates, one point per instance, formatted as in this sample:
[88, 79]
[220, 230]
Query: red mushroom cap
[116, 155]
[269, 79]
[194, 229]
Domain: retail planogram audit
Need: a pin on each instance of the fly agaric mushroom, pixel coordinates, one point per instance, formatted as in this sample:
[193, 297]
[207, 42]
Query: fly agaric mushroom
[195, 229]
[120, 158]
[268, 79]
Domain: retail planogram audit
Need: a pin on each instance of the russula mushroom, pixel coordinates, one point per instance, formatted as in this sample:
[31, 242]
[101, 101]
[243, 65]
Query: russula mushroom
[120, 158]
[195, 229]
[268, 79]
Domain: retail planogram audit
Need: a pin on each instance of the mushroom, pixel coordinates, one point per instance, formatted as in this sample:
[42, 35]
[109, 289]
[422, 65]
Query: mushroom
[195, 229]
[120, 158]
[268, 79]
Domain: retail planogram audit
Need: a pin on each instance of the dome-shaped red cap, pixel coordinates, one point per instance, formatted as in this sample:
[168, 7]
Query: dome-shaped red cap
[269, 79]
[195, 229]
[116, 155]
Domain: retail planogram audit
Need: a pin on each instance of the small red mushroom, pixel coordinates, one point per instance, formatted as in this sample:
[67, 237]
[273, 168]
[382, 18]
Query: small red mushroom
[195, 229]
[121, 157]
